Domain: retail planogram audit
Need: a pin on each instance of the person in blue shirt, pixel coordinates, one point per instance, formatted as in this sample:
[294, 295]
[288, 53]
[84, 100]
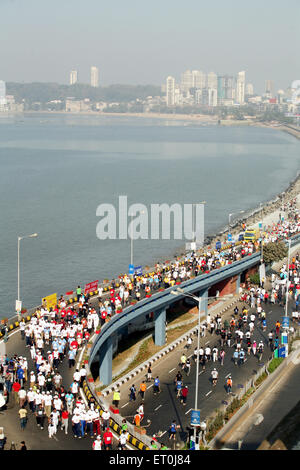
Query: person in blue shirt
[242, 356]
[235, 357]
[178, 387]
[71, 357]
[172, 430]
[156, 388]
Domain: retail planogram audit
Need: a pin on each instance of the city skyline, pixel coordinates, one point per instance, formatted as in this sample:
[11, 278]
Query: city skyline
[134, 45]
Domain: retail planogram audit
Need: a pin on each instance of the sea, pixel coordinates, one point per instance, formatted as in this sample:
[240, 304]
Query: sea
[56, 169]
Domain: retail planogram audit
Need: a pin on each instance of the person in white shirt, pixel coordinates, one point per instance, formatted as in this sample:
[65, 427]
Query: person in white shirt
[123, 440]
[41, 380]
[97, 444]
[57, 403]
[77, 376]
[30, 398]
[47, 404]
[105, 419]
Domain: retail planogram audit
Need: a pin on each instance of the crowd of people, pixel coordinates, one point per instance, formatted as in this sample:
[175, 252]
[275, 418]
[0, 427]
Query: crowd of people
[53, 336]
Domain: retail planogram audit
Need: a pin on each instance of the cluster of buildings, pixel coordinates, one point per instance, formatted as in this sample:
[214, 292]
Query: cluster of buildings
[94, 77]
[197, 88]
[7, 102]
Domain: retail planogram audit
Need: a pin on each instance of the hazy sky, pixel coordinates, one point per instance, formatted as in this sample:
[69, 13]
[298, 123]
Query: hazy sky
[139, 42]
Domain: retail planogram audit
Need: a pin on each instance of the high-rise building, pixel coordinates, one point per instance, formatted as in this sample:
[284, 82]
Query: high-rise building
[192, 79]
[226, 90]
[94, 76]
[240, 88]
[249, 91]
[199, 79]
[212, 80]
[73, 77]
[3, 101]
[170, 91]
[269, 88]
[186, 82]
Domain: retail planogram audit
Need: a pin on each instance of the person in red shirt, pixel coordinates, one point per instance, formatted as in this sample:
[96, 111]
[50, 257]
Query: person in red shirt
[86, 336]
[107, 439]
[74, 344]
[65, 420]
[103, 317]
[15, 388]
[184, 394]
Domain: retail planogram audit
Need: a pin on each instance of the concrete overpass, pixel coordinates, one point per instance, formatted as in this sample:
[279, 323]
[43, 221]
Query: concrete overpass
[228, 278]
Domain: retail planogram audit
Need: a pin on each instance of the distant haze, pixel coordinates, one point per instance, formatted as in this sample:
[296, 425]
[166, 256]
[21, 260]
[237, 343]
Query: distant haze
[138, 42]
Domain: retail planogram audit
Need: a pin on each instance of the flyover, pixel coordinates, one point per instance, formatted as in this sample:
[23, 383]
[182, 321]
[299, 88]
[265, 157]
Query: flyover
[157, 304]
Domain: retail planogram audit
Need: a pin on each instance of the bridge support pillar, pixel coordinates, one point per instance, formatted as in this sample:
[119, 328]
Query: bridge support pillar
[203, 295]
[238, 284]
[160, 327]
[105, 361]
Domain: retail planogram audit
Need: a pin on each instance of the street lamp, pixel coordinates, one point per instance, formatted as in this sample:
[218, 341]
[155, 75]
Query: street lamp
[131, 236]
[33, 235]
[180, 291]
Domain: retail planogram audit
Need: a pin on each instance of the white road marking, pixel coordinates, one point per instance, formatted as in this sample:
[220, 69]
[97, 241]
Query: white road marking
[172, 370]
[188, 411]
[125, 405]
[150, 386]
[157, 408]
[208, 393]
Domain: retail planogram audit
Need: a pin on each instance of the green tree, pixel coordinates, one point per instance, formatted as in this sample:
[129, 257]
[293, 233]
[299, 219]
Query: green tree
[275, 251]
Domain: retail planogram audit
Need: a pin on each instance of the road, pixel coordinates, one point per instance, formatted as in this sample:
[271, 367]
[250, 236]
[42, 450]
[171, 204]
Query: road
[165, 407]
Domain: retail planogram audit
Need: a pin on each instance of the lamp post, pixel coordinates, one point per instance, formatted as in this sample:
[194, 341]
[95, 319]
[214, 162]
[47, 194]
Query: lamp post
[180, 291]
[131, 236]
[33, 235]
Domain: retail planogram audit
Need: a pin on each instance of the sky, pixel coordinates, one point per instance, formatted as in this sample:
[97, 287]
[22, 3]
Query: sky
[139, 42]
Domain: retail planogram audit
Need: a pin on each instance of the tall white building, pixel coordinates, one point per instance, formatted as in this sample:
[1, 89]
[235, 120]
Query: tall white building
[212, 80]
[186, 82]
[249, 89]
[199, 79]
[73, 77]
[192, 79]
[170, 91]
[94, 76]
[240, 88]
[3, 101]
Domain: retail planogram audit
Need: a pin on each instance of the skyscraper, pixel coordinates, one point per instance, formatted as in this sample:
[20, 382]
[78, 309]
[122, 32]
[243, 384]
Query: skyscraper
[269, 88]
[94, 76]
[249, 89]
[186, 82]
[3, 101]
[226, 90]
[240, 88]
[73, 77]
[212, 80]
[199, 79]
[170, 91]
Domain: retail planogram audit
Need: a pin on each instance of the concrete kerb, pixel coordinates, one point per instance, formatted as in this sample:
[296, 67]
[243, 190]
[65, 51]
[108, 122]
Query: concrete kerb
[219, 438]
